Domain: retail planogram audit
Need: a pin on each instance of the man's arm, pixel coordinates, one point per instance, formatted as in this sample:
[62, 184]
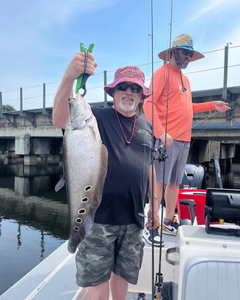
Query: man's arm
[74, 70]
[214, 105]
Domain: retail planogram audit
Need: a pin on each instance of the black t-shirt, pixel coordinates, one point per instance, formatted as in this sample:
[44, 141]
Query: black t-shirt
[126, 183]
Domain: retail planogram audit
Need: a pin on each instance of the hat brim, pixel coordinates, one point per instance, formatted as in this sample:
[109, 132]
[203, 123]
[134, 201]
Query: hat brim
[165, 55]
[109, 89]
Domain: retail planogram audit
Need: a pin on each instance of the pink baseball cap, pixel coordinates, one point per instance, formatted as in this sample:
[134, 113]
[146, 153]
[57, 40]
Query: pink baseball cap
[129, 73]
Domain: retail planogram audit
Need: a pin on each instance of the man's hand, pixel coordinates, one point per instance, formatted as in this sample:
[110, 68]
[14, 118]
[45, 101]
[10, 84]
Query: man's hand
[168, 138]
[156, 217]
[221, 106]
[76, 66]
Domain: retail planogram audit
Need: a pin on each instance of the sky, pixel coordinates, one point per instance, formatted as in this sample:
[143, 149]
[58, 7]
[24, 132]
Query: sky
[38, 39]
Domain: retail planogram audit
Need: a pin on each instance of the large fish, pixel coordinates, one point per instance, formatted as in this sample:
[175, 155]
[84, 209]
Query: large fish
[85, 168]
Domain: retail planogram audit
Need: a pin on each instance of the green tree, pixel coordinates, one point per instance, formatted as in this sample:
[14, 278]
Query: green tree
[8, 108]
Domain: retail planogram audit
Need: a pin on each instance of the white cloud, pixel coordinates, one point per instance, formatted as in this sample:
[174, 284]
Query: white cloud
[26, 24]
[61, 11]
[212, 7]
[44, 12]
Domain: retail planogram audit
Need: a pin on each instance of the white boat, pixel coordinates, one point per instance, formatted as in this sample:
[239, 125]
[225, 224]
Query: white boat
[54, 277]
[195, 265]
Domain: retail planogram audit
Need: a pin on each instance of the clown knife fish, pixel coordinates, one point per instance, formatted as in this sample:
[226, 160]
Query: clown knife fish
[85, 167]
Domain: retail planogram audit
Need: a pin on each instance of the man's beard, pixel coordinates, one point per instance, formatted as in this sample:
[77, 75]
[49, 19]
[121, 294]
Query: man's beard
[181, 61]
[127, 106]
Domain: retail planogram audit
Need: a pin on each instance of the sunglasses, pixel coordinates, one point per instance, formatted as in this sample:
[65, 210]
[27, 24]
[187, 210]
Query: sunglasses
[123, 86]
[187, 52]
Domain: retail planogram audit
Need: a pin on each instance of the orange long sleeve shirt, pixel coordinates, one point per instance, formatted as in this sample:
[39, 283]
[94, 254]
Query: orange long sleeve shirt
[180, 106]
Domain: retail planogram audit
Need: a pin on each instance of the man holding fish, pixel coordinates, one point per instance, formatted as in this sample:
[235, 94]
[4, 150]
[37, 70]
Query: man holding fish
[105, 211]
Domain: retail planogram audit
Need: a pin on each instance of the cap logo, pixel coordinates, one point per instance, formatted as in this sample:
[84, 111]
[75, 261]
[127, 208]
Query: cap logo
[130, 72]
[190, 42]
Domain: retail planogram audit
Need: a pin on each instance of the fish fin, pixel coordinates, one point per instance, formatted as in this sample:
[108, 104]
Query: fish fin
[60, 184]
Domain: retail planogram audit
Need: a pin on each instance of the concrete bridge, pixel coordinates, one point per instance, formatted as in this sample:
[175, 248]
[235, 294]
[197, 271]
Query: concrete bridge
[220, 134]
[30, 134]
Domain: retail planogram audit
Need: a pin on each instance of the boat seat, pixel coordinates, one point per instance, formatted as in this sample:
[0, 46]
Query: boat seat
[212, 278]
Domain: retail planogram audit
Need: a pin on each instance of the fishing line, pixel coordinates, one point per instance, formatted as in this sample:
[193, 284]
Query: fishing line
[159, 276]
[148, 9]
[163, 188]
[216, 113]
[150, 24]
[153, 273]
[164, 163]
[201, 131]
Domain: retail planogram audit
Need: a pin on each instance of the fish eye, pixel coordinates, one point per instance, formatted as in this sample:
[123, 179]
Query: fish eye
[82, 211]
[85, 199]
[78, 220]
[87, 188]
[76, 228]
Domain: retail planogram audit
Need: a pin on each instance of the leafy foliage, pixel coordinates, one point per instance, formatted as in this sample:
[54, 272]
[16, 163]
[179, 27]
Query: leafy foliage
[8, 108]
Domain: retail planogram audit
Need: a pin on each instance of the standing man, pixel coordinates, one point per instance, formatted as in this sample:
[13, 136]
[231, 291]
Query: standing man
[173, 114]
[112, 250]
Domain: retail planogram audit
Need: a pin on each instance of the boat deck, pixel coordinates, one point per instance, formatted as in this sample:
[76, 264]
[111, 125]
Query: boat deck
[54, 277]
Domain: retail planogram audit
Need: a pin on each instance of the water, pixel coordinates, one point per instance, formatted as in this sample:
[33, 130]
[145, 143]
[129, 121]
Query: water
[33, 218]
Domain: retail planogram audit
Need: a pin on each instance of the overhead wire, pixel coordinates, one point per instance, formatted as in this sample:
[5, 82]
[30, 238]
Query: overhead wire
[213, 69]
[156, 62]
[100, 86]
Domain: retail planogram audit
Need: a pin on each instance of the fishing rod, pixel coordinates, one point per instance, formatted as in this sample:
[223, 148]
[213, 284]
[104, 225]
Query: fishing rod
[153, 275]
[158, 294]
[216, 113]
[157, 287]
[159, 275]
[158, 282]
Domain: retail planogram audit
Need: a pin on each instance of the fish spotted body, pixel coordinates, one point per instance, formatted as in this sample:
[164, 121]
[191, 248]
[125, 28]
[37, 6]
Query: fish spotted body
[85, 168]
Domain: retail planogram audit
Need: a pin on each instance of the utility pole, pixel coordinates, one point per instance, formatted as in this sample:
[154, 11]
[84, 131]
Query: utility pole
[105, 94]
[226, 95]
[1, 109]
[225, 74]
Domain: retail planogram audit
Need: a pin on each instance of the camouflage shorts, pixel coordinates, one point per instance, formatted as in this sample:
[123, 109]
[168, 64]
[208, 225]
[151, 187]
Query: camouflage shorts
[106, 249]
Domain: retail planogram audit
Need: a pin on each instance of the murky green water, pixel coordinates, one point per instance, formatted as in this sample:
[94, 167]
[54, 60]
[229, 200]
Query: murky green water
[33, 219]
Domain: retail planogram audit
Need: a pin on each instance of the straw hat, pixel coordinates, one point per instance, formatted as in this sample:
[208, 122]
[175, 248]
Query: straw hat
[183, 41]
[132, 74]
